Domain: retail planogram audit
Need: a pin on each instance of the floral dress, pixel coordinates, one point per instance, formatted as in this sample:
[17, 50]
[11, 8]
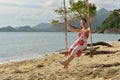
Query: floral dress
[79, 45]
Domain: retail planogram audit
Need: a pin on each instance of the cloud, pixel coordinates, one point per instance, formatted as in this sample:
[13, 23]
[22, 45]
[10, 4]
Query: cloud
[28, 16]
[21, 13]
[108, 4]
[48, 3]
[36, 17]
[36, 4]
[19, 5]
[51, 3]
[32, 12]
[54, 3]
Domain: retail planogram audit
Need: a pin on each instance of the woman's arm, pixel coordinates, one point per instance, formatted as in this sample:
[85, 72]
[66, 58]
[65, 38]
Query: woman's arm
[70, 28]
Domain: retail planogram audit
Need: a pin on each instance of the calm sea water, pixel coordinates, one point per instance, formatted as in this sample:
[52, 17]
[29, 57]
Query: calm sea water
[16, 46]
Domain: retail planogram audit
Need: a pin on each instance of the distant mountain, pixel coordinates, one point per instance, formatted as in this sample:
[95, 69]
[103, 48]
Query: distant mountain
[20, 29]
[46, 27]
[102, 11]
[42, 26]
[25, 29]
[7, 29]
[111, 24]
[102, 14]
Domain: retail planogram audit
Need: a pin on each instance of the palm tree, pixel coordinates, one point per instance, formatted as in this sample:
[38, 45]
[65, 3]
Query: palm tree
[77, 9]
[90, 24]
[66, 41]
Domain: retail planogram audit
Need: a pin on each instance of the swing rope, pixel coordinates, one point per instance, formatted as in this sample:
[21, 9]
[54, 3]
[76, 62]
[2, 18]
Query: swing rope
[90, 24]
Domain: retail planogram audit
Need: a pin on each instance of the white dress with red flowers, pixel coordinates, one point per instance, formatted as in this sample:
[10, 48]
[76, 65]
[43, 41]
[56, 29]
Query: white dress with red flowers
[79, 45]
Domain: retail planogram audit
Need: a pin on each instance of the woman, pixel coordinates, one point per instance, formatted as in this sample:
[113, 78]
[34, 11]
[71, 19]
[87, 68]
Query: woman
[80, 44]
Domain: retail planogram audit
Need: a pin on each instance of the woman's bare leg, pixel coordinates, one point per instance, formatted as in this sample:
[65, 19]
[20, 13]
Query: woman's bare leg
[67, 61]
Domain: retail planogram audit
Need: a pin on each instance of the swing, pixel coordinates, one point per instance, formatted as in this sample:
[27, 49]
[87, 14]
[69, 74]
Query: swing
[92, 50]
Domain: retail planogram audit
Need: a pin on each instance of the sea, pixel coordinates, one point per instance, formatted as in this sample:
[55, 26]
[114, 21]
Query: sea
[18, 46]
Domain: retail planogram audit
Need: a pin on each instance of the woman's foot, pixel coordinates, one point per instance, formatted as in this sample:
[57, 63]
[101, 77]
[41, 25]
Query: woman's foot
[64, 64]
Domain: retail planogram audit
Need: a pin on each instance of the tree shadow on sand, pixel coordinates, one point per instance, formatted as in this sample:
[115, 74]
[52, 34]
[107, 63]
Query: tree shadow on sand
[106, 65]
[100, 52]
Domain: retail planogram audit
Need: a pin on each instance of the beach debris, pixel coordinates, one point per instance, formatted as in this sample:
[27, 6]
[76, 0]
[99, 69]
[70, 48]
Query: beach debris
[64, 52]
[40, 65]
[100, 43]
[118, 39]
[87, 52]
[17, 71]
[106, 65]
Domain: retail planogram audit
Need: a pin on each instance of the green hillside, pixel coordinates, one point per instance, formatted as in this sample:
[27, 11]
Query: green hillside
[111, 23]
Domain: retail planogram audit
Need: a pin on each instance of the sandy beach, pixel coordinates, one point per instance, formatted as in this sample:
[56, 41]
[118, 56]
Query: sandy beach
[100, 67]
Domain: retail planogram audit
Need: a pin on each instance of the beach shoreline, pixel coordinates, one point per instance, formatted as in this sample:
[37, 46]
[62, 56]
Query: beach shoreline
[100, 67]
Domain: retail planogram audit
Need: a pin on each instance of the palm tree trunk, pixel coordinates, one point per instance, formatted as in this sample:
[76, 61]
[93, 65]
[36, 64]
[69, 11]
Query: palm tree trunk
[91, 46]
[66, 41]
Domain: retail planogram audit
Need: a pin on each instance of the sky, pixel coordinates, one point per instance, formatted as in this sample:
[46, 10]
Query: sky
[17, 13]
